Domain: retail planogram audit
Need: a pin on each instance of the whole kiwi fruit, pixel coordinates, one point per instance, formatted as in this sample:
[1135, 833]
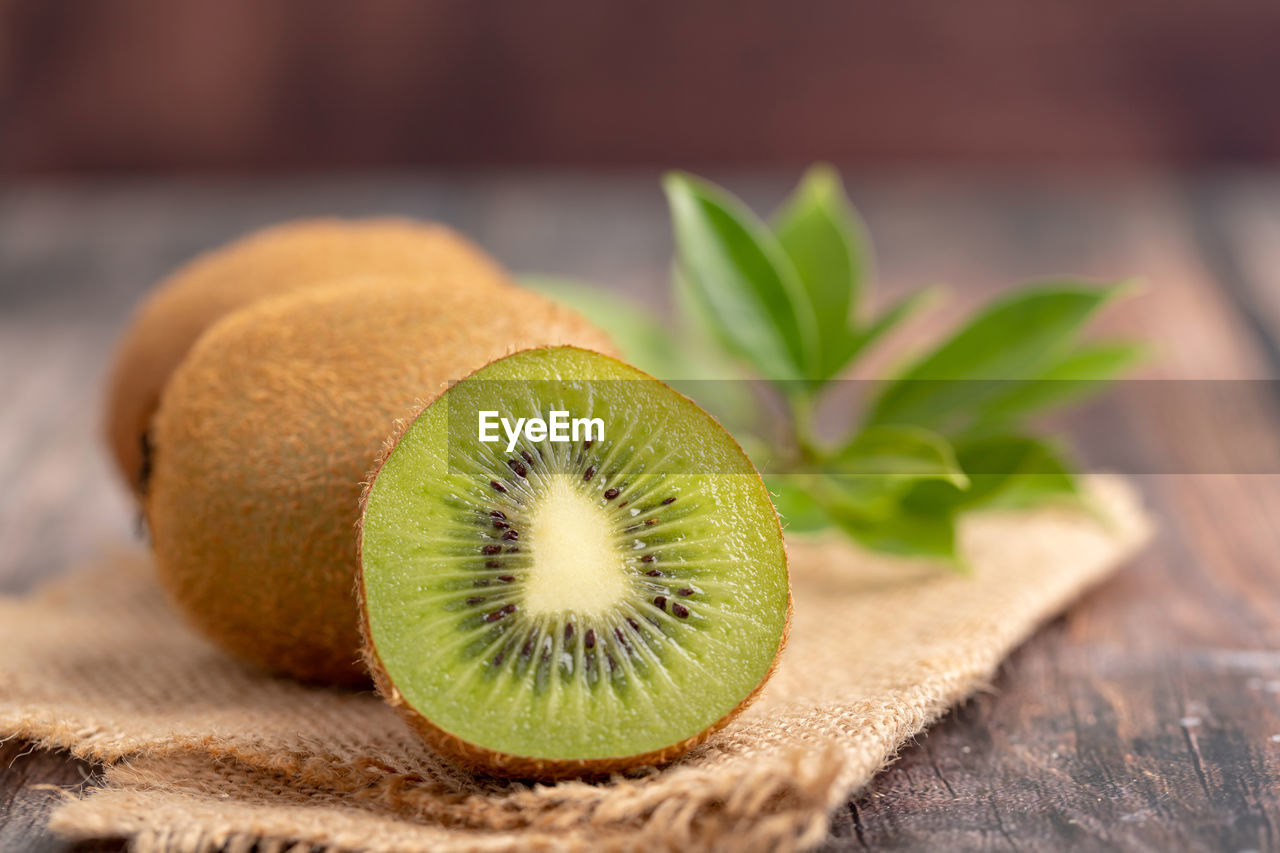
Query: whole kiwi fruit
[283, 258]
[267, 429]
[547, 604]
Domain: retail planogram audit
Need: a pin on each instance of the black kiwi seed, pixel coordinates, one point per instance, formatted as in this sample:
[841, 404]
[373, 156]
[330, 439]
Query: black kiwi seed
[527, 457]
[497, 513]
[590, 639]
[649, 522]
[506, 578]
[633, 623]
[495, 615]
[491, 549]
[511, 534]
[475, 599]
[498, 486]
[654, 573]
[568, 631]
[660, 602]
[587, 444]
[610, 494]
[518, 467]
[509, 609]
[501, 525]
[492, 564]
[669, 501]
[680, 610]
[647, 558]
[497, 659]
[527, 649]
[686, 592]
[591, 472]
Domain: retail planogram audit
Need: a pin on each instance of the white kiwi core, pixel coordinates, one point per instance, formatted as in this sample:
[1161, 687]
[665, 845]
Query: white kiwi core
[577, 566]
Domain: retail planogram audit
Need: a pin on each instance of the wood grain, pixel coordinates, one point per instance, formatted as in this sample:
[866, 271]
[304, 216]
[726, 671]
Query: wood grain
[29, 783]
[1146, 718]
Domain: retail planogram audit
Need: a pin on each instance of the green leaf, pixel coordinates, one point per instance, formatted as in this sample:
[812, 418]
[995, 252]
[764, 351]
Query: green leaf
[697, 327]
[860, 488]
[899, 452]
[1007, 471]
[743, 280]
[1001, 472]
[826, 243]
[863, 487]
[940, 440]
[794, 499]
[889, 319]
[871, 511]
[928, 536]
[1073, 376]
[1013, 338]
[1016, 472]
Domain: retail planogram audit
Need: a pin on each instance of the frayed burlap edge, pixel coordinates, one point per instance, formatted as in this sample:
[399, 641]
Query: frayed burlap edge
[767, 782]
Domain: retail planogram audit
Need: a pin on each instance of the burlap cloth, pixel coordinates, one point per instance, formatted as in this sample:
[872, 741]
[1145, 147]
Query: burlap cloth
[202, 753]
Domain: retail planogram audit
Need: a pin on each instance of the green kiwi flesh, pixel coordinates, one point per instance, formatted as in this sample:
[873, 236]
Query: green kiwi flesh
[567, 607]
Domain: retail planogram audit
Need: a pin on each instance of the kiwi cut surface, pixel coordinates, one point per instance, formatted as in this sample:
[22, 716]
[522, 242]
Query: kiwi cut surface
[281, 259]
[577, 607]
[265, 435]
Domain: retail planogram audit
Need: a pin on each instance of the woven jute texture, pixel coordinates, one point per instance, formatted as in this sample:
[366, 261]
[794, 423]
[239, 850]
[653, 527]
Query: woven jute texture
[202, 753]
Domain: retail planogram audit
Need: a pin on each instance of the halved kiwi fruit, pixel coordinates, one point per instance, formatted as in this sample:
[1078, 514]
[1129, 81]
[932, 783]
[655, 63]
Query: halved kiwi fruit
[285, 258]
[547, 609]
[265, 434]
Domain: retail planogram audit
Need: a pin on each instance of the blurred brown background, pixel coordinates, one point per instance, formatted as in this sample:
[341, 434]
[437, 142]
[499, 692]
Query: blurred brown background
[253, 85]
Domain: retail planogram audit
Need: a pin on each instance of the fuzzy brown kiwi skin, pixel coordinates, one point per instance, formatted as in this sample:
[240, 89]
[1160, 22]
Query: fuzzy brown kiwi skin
[283, 258]
[478, 759]
[264, 437]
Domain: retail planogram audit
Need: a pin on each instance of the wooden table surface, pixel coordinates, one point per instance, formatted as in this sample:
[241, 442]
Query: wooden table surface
[1145, 718]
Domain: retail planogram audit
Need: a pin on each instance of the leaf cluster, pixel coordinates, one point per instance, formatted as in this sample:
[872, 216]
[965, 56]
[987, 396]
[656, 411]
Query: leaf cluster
[786, 302]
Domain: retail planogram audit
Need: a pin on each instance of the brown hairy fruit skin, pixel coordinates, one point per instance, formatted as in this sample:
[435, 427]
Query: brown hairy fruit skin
[265, 435]
[478, 759]
[281, 259]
